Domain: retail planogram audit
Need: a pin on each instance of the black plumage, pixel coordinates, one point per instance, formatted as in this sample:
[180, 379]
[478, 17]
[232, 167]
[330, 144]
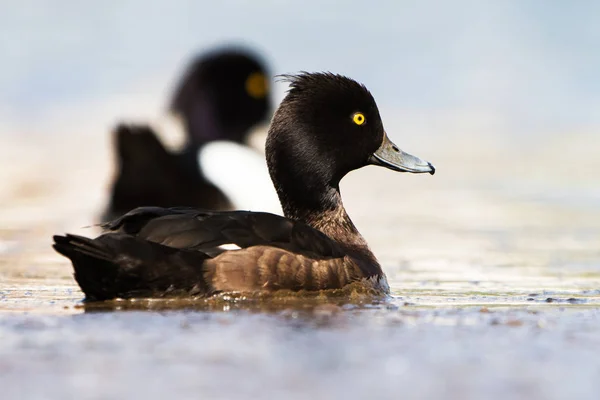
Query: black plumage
[148, 174]
[314, 140]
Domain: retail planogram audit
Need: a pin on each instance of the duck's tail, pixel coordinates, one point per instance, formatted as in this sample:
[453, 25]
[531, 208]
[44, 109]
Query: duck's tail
[123, 266]
[146, 171]
[138, 145]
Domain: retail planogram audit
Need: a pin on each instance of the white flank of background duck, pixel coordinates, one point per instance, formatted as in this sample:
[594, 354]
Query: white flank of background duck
[241, 173]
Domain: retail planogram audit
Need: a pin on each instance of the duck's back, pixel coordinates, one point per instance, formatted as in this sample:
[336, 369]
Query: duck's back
[149, 175]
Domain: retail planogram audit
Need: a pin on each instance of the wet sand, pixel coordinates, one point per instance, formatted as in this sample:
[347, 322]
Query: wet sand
[494, 265]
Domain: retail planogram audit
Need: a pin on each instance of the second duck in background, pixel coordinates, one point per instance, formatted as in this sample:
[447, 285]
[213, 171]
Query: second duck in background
[222, 95]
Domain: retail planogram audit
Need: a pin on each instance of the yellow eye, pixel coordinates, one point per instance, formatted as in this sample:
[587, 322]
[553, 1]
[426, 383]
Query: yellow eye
[257, 85]
[359, 118]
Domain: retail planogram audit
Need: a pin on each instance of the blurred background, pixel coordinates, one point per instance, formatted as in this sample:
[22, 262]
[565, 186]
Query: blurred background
[503, 97]
[526, 67]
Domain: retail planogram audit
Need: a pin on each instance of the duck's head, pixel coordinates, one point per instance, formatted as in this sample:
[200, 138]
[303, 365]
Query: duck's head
[327, 126]
[222, 95]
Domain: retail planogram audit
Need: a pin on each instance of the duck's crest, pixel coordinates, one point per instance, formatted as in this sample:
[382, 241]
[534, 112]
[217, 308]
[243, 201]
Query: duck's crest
[310, 81]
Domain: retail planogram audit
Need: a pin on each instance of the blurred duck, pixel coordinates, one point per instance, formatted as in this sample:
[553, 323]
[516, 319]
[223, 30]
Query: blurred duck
[221, 97]
[327, 126]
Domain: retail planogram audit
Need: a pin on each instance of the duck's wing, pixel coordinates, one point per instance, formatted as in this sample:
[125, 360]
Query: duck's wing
[211, 231]
[153, 252]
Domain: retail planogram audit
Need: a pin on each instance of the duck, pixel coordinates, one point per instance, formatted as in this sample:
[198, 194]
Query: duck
[223, 94]
[326, 126]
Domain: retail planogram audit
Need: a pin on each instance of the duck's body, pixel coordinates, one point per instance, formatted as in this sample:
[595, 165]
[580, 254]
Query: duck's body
[221, 97]
[156, 252]
[326, 126]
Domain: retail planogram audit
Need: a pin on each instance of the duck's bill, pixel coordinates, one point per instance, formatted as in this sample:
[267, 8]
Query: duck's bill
[390, 156]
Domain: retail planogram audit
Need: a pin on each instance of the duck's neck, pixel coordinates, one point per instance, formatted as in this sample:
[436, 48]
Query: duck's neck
[321, 207]
[203, 125]
[308, 188]
[336, 223]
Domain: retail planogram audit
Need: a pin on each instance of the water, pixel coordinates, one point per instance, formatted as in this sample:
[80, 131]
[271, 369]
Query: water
[354, 354]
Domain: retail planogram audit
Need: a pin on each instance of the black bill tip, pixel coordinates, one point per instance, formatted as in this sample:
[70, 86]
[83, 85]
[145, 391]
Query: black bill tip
[432, 172]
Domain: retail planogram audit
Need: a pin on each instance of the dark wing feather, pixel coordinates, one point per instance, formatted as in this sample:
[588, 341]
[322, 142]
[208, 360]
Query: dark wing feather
[120, 265]
[190, 229]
